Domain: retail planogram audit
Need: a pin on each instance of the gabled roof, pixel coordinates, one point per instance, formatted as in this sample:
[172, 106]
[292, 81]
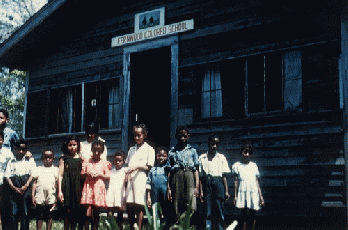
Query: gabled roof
[16, 46]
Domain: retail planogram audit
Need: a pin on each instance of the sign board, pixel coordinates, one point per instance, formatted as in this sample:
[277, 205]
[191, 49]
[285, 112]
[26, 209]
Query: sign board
[149, 19]
[151, 33]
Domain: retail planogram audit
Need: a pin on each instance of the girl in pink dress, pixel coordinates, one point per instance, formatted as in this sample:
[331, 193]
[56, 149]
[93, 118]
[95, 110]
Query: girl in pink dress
[96, 171]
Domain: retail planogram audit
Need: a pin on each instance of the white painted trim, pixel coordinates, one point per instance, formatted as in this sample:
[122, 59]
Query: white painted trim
[151, 45]
[173, 42]
[83, 107]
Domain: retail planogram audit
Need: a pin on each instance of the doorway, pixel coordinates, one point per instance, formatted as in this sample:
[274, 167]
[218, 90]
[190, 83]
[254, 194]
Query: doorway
[150, 93]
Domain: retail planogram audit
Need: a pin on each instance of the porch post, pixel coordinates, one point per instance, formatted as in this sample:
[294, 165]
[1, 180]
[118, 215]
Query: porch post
[174, 91]
[126, 101]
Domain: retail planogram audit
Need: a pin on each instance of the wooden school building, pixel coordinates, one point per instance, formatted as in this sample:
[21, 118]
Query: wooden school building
[270, 71]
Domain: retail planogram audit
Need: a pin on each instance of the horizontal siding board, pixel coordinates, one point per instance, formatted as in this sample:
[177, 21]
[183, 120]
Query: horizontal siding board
[85, 75]
[257, 133]
[299, 173]
[56, 61]
[37, 146]
[80, 66]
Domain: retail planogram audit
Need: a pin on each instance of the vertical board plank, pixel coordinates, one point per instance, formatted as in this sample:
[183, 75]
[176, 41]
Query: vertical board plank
[126, 100]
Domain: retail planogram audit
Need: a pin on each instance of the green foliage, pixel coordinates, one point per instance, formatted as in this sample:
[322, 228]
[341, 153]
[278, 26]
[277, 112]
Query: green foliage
[185, 219]
[109, 222]
[12, 97]
[154, 221]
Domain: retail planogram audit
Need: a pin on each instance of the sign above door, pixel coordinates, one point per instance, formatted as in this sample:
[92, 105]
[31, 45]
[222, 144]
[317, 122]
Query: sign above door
[149, 25]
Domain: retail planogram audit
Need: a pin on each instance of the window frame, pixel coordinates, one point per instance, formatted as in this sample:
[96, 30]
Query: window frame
[102, 103]
[214, 90]
[116, 83]
[71, 117]
[264, 85]
[241, 108]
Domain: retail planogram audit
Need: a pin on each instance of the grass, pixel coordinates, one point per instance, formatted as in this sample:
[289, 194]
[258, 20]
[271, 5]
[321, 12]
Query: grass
[151, 222]
[59, 225]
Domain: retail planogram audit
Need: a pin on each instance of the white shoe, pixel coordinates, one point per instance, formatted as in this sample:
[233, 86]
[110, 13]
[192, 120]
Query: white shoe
[233, 225]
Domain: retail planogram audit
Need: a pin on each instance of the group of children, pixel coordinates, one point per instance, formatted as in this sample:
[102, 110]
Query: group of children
[85, 182]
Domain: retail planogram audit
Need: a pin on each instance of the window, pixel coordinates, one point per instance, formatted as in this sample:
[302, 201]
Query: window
[107, 111]
[265, 83]
[114, 106]
[293, 80]
[71, 108]
[65, 110]
[211, 101]
[212, 91]
[320, 76]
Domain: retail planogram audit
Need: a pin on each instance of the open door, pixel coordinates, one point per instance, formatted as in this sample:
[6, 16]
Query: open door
[150, 81]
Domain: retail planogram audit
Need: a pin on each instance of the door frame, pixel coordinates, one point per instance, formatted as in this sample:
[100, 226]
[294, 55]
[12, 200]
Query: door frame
[173, 42]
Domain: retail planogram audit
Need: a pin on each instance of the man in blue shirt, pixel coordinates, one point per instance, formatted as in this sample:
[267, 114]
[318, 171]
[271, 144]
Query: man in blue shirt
[10, 136]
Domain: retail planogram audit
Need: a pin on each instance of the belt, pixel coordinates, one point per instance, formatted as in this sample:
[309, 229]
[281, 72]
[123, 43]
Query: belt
[185, 169]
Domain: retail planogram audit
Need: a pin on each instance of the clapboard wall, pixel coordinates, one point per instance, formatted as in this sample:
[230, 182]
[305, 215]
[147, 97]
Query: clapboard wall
[301, 165]
[299, 153]
[222, 30]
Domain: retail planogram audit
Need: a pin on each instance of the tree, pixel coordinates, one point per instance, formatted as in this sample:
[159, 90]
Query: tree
[12, 98]
[13, 14]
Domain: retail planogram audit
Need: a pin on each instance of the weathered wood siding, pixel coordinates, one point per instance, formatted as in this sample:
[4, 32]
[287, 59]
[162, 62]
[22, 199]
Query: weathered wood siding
[221, 31]
[301, 165]
[38, 145]
[300, 155]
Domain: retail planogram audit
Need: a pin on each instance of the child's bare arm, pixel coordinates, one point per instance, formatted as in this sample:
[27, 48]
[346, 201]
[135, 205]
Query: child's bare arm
[201, 191]
[26, 186]
[236, 184]
[145, 168]
[196, 175]
[169, 191]
[148, 198]
[60, 178]
[227, 195]
[33, 191]
[55, 204]
[106, 175]
[262, 202]
[9, 181]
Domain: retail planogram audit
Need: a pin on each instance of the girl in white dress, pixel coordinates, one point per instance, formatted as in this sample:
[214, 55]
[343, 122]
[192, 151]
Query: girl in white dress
[140, 159]
[116, 195]
[248, 196]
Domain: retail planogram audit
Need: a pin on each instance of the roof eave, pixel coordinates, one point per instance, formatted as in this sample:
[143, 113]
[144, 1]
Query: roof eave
[6, 48]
